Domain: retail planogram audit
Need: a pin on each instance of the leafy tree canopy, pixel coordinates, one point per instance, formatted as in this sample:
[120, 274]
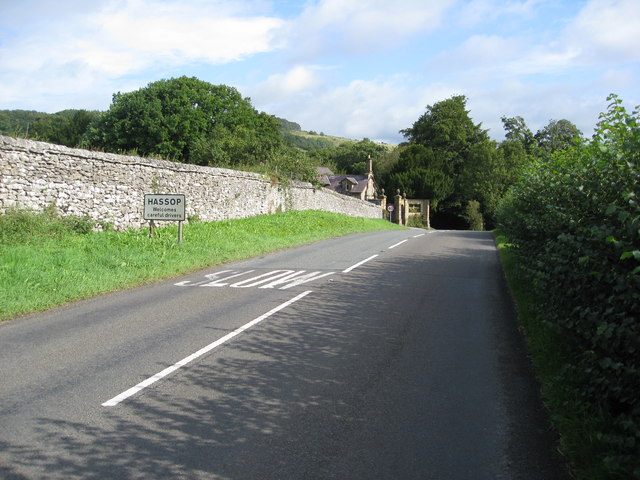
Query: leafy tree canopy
[573, 221]
[518, 131]
[288, 126]
[447, 129]
[558, 135]
[555, 136]
[307, 143]
[17, 123]
[350, 157]
[178, 117]
[64, 128]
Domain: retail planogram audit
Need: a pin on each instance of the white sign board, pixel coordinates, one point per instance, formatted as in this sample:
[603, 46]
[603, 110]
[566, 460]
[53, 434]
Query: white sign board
[168, 208]
[390, 208]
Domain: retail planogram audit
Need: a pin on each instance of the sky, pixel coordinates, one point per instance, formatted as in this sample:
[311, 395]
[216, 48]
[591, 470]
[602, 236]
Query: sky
[350, 68]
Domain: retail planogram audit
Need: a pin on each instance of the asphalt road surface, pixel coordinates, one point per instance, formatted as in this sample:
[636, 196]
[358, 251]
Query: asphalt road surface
[387, 355]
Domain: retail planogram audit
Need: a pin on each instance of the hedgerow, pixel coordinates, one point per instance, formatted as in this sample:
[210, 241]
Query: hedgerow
[574, 221]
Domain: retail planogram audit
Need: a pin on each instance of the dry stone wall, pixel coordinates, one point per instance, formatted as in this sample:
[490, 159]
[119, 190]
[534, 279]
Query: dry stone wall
[110, 188]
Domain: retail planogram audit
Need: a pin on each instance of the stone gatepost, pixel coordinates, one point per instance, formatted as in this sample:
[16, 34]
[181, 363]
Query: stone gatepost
[382, 199]
[405, 209]
[400, 204]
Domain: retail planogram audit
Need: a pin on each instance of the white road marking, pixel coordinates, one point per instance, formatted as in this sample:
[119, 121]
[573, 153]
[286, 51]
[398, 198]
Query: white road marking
[421, 235]
[283, 279]
[218, 282]
[264, 278]
[399, 243]
[296, 279]
[149, 381]
[353, 267]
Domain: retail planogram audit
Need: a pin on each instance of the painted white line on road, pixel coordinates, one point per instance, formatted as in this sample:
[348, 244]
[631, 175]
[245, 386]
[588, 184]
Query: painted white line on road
[421, 235]
[264, 278]
[399, 243]
[353, 267]
[144, 384]
[295, 279]
[218, 282]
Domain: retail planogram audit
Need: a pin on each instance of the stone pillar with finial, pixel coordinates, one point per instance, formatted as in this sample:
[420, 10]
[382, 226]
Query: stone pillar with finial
[399, 203]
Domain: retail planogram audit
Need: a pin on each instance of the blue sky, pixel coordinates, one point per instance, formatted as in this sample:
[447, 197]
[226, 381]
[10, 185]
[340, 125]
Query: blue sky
[350, 68]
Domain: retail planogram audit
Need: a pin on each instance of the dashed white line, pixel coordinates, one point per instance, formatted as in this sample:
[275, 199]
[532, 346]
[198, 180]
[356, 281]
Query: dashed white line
[144, 384]
[353, 267]
[399, 243]
[420, 235]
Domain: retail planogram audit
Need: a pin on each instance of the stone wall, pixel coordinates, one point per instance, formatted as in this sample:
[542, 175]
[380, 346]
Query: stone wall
[110, 188]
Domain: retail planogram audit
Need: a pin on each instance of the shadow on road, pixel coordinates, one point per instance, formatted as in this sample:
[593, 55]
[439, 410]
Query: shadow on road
[409, 368]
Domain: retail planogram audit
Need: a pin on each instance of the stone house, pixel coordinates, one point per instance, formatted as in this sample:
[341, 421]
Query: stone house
[363, 187]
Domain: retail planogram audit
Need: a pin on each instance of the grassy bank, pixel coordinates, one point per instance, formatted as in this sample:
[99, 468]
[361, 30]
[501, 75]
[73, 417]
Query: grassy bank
[578, 425]
[47, 260]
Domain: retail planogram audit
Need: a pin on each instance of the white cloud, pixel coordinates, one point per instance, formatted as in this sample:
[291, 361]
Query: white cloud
[603, 31]
[180, 33]
[365, 68]
[606, 31]
[300, 80]
[79, 51]
[479, 11]
[376, 109]
[480, 53]
[367, 26]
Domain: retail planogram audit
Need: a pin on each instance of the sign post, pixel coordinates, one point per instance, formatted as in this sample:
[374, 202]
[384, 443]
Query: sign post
[390, 209]
[166, 208]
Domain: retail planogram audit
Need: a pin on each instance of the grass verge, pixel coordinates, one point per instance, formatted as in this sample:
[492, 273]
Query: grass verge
[47, 260]
[579, 425]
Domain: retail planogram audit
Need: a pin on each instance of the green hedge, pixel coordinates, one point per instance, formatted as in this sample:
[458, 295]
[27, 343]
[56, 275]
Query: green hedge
[574, 220]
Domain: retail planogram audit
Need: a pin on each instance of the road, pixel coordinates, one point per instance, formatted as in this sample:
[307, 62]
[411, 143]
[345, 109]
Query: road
[386, 355]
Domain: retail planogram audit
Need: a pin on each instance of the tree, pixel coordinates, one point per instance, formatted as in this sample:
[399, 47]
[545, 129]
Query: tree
[175, 118]
[64, 128]
[489, 172]
[518, 131]
[352, 157]
[453, 145]
[558, 135]
[18, 123]
[418, 173]
[447, 129]
[288, 126]
[423, 183]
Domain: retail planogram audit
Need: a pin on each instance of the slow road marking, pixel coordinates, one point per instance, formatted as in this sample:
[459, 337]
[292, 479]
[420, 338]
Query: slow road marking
[281, 279]
[167, 371]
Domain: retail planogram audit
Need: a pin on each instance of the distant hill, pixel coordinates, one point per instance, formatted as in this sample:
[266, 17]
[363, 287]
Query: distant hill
[20, 123]
[310, 141]
[16, 123]
[295, 137]
[287, 126]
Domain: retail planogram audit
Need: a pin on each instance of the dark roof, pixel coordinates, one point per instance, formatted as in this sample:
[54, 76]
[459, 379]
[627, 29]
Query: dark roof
[334, 182]
[323, 175]
[359, 183]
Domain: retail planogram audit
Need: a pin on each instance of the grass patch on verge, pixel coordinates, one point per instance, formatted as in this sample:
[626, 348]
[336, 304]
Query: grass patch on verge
[47, 261]
[578, 424]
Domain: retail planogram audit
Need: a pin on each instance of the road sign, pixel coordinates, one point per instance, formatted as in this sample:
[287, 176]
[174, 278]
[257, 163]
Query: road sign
[164, 207]
[390, 208]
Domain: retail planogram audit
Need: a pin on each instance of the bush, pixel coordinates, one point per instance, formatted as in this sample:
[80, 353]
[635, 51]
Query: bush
[575, 221]
[474, 216]
[416, 221]
[20, 226]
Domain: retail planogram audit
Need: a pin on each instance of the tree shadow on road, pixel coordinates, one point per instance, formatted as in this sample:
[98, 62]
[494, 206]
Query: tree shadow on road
[323, 389]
